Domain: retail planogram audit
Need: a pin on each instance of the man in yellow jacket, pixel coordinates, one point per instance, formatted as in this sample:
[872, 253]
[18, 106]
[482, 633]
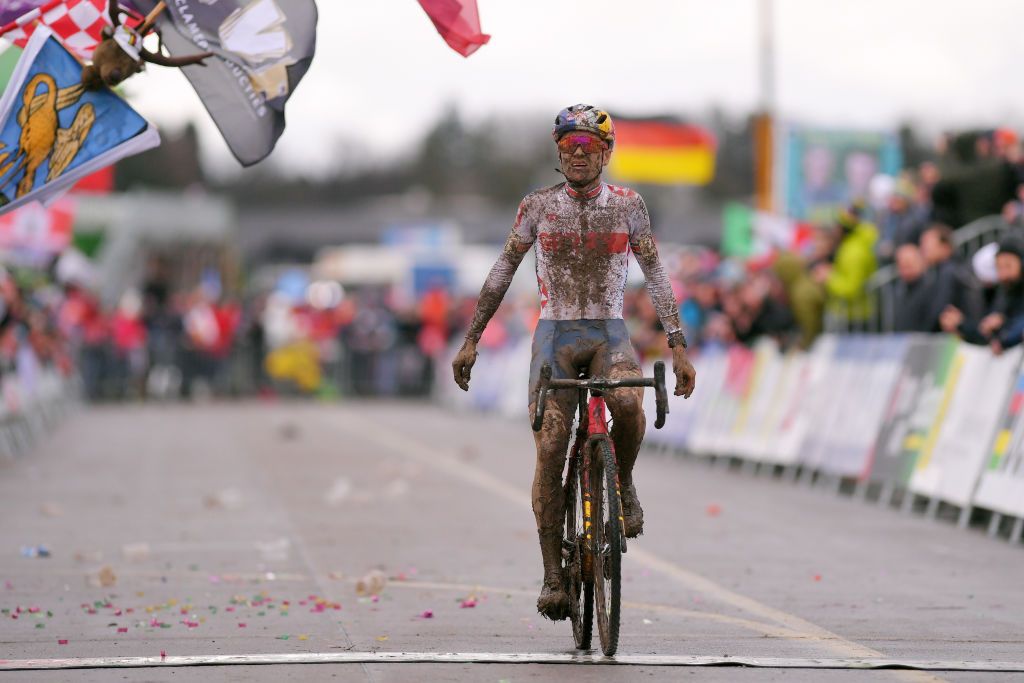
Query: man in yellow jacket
[846, 277]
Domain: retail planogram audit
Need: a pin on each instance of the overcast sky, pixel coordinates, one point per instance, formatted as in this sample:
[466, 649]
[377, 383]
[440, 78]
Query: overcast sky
[382, 73]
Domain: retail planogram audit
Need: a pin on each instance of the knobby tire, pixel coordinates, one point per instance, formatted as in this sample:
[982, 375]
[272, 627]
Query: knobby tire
[579, 586]
[606, 544]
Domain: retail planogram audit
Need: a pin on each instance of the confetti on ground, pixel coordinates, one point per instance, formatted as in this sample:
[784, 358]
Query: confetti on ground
[468, 602]
[62, 641]
[817, 577]
[382, 638]
[427, 614]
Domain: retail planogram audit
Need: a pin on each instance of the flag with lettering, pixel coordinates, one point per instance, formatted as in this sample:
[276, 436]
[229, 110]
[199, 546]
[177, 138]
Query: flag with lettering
[263, 49]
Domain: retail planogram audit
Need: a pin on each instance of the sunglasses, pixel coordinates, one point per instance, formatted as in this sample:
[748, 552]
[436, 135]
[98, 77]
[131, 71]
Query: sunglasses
[590, 145]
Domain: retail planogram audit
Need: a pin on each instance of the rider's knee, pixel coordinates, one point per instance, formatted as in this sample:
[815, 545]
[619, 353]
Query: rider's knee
[625, 405]
[553, 437]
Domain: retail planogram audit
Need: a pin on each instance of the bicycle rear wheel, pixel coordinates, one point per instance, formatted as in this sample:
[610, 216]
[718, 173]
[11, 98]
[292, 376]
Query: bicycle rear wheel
[606, 544]
[579, 585]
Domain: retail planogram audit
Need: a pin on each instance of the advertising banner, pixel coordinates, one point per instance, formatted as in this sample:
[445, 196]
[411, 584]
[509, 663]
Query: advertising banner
[967, 420]
[711, 365]
[1002, 483]
[910, 409]
[875, 368]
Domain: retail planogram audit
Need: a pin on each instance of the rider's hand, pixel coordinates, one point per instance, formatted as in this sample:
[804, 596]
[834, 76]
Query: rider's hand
[686, 376]
[463, 364]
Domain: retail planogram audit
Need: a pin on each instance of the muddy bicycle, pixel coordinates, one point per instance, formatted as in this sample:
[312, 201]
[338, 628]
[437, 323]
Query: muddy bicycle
[593, 540]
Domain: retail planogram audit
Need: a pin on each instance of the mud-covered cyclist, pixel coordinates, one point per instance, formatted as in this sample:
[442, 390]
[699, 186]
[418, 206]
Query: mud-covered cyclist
[582, 230]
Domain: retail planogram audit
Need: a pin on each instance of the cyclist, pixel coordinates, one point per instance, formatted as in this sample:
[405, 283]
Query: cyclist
[582, 231]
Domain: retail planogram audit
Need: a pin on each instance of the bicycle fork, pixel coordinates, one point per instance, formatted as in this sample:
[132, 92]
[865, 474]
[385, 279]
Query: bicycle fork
[598, 429]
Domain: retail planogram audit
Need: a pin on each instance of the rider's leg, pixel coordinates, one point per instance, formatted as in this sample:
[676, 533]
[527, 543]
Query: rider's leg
[548, 500]
[552, 442]
[626, 407]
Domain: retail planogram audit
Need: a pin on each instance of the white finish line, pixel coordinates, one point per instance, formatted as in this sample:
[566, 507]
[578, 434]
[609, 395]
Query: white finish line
[503, 658]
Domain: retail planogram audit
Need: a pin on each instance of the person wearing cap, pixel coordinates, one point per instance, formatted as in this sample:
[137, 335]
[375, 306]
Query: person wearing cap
[1003, 327]
[846, 277]
[904, 220]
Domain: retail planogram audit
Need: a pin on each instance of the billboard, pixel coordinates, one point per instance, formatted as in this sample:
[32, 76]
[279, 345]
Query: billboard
[820, 171]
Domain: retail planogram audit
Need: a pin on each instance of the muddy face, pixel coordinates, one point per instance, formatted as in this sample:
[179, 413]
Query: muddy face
[583, 170]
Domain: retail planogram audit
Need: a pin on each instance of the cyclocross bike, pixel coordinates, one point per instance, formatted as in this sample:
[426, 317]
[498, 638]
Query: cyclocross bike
[593, 541]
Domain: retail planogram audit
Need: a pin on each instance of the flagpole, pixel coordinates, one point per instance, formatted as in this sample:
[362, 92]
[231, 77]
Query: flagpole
[764, 118]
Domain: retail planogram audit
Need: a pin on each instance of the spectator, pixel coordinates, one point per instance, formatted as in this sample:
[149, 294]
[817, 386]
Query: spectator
[956, 286]
[846, 277]
[764, 314]
[915, 307]
[128, 337]
[806, 298]
[905, 219]
[1003, 327]
[699, 307]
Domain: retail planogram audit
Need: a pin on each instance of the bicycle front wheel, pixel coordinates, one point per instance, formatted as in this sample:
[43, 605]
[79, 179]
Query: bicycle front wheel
[606, 544]
[579, 584]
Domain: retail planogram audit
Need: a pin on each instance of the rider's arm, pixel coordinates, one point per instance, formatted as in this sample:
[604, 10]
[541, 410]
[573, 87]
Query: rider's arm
[519, 241]
[641, 240]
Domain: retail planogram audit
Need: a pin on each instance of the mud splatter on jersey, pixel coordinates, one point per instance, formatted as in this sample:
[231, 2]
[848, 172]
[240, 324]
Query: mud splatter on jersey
[582, 245]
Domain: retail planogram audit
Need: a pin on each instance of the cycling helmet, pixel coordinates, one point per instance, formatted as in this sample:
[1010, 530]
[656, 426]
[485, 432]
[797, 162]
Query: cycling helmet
[585, 118]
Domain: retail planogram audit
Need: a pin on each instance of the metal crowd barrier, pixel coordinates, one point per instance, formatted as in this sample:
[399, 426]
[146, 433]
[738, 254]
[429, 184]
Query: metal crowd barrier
[32, 408]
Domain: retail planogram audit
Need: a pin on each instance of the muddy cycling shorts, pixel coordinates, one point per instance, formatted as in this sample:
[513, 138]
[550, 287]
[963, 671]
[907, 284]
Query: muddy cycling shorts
[572, 345]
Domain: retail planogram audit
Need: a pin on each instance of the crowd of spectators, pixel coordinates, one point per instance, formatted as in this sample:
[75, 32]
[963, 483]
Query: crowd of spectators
[162, 340]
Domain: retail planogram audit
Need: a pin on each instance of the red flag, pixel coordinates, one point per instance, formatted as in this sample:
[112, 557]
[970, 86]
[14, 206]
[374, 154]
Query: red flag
[78, 24]
[458, 22]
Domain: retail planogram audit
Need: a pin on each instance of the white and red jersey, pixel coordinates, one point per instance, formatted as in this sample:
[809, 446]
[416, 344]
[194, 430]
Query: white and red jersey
[582, 244]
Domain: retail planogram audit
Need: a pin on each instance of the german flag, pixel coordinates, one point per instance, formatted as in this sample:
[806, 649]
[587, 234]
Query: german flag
[663, 152]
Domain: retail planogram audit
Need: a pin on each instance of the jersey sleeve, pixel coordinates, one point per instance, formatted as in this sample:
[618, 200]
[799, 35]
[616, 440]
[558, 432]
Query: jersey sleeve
[641, 241]
[520, 240]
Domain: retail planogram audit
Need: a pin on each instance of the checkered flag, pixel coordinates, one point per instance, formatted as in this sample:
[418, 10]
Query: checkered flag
[78, 24]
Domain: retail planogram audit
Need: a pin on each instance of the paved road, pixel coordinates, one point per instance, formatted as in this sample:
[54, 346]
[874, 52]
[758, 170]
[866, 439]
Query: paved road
[240, 529]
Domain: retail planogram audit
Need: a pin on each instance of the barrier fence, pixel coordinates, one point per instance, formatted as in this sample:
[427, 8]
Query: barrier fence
[33, 400]
[919, 420]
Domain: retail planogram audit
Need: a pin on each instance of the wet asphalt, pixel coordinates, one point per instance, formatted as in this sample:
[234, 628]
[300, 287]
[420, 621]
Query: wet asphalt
[245, 529]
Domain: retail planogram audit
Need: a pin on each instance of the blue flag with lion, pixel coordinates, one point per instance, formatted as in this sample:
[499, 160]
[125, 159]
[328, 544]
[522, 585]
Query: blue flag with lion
[53, 131]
